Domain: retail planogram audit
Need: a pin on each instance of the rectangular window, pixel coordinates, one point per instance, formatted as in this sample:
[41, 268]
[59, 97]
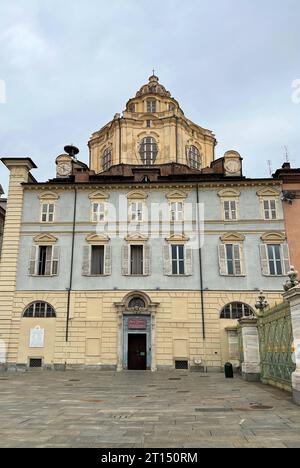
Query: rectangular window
[136, 211]
[45, 261]
[270, 209]
[233, 257]
[151, 105]
[230, 210]
[47, 212]
[178, 266]
[98, 212]
[97, 260]
[275, 260]
[177, 211]
[136, 259]
[149, 123]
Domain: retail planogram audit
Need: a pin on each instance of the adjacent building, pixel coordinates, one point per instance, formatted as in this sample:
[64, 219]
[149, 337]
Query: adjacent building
[2, 216]
[290, 178]
[145, 257]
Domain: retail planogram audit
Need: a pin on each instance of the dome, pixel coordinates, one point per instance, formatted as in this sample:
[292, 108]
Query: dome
[153, 87]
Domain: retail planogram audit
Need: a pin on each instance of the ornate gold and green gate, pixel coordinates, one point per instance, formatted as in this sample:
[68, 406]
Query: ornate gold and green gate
[276, 346]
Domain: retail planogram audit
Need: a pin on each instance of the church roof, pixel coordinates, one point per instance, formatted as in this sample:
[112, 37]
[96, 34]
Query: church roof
[153, 87]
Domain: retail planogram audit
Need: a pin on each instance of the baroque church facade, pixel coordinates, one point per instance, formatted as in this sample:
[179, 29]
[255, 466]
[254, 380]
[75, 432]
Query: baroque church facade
[145, 257]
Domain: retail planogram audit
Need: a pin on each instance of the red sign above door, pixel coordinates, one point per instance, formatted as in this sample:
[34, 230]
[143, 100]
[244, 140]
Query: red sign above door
[137, 324]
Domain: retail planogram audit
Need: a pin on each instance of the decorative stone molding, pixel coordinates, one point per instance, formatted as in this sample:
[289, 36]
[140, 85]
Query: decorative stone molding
[45, 239]
[99, 195]
[232, 237]
[175, 195]
[268, 192]
[48, 196]
[177, 239]
[149, 309]
[137, 195]
[136, 238]
[97, 239]
[273, 237]
[229, 193]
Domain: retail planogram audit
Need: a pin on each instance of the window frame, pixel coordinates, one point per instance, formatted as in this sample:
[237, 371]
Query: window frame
[177, 261]
[47, 213]
[273, 262]
[231, 317]
[148, 142]
[106, 161]
[268, 211]
[230, 211]
[94, 214]
[130, 259]
[53, 262]
[33, 305]
[236, 272]
[151, 106]
[175, 213]
[194, 157]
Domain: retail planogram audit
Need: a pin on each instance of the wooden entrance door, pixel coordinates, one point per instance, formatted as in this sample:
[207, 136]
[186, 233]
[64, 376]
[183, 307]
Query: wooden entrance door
[137, 352]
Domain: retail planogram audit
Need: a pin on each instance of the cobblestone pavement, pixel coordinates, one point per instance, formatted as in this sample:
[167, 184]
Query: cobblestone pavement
[132, 409]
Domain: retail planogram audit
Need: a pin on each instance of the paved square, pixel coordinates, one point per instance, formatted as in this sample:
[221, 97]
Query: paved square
[141, 409]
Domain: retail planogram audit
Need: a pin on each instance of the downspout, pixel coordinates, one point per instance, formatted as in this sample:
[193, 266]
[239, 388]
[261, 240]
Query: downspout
[71, 265]
[120, 141]
[201, 270]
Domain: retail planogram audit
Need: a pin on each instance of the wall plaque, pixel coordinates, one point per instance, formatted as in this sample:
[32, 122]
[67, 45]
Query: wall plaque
[137, 324]
[37, 337]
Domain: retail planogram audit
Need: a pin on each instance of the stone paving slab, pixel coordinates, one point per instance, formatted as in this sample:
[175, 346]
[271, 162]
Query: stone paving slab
[142, 409]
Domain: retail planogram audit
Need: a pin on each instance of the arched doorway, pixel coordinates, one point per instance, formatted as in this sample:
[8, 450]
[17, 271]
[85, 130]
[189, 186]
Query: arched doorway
[136, 323]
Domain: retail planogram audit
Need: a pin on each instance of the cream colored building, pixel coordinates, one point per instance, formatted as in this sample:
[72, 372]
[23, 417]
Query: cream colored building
[145, 257]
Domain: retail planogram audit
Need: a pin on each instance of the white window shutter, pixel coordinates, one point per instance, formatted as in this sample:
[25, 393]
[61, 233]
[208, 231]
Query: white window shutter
[222, 259]
[147, 260]
[107, 260]
[167, 260]
[286, 258]
[55, 260]
[33, 262]
[188, 267]
[125, 260]
[86, 263]
[264, 258]
[242, 260]
[237, 259]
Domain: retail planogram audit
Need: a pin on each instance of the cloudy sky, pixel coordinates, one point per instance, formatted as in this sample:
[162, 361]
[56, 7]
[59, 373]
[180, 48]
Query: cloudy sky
[69, 66]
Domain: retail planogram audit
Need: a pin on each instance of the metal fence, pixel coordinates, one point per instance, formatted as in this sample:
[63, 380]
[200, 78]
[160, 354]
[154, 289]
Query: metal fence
[276, 346]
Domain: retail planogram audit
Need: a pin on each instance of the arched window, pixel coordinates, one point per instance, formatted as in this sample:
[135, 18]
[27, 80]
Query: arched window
[39, 310]
[106, 159]
[194, 158]
[137, 302]
[148, 151]
[236, 310]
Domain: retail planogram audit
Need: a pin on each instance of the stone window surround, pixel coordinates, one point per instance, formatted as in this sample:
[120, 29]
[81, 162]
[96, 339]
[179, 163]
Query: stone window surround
[230, 195]
[268, 194]
[233, 238]
[48, 198]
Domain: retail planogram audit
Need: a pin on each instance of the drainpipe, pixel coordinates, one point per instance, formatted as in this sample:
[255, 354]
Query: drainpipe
[71, 265]
[201, 271]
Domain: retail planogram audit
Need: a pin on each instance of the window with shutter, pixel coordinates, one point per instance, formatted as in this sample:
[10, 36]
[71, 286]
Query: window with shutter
[55, 260]
[264, 260]
[188, 261]
[86, 263]
[98, 212]
[33, 263]
[167, 260]
[222, 260]
[230, 259]
[108, 261]
[270, 209]
[125, 260]
[147, 260]
[230, 210]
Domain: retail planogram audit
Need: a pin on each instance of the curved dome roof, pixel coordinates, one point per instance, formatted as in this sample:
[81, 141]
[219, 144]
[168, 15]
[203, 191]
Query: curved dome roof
[153, 87]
